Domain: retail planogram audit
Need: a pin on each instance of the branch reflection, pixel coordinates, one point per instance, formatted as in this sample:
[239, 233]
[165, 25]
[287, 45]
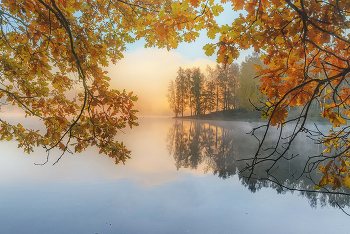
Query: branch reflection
[224, 148]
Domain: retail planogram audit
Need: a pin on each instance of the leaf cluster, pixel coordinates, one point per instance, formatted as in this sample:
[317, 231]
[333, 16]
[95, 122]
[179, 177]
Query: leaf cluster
[52, 54]
[305, 47]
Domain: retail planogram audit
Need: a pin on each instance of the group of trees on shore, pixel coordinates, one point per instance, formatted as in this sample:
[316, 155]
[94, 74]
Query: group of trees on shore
[222, 88]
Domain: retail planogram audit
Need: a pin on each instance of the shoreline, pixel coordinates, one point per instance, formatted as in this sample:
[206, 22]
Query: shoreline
[229, 115]
[242, 115]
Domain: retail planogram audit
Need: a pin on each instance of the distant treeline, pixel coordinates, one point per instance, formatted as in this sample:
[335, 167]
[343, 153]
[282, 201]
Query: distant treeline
[222, 88]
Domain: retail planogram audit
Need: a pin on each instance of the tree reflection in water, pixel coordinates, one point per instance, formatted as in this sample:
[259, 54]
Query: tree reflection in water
[224, 149]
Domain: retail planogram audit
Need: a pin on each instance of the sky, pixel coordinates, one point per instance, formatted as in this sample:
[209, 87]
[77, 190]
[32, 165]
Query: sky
[148, 71]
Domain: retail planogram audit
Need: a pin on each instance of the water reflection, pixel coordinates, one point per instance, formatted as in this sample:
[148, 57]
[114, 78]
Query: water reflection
[222, 148]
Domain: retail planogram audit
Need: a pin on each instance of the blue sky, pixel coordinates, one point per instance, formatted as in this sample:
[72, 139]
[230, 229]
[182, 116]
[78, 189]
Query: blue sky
[194, 50]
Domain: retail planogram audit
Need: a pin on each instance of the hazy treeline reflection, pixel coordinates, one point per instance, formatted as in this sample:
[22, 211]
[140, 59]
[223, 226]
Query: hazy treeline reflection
[219, 147]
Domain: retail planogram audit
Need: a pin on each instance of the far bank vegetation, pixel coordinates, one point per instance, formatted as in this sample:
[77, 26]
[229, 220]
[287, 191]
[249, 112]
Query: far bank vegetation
[225, 90]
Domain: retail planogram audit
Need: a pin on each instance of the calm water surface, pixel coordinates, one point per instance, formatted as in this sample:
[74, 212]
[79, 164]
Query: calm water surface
[182, 178]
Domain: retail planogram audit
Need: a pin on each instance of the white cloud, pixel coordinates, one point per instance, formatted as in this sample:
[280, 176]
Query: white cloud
[147, 73]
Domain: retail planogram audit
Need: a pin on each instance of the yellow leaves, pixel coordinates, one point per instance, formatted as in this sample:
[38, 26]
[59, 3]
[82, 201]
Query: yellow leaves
[257, 67]
[279, 40]
[70, 9]
[331, 111]
[9, 88]
[217, 9]
[264, 115]
[60, 82]
[334, 118]
[347, 163]
[209, 49]
[212, 33]
[189, 37]
[175, 7]
[340, 120]
[321, 168]
[327, 150]
[221, 56]
[161, 13]
[326, 180]
[9, 137]
[104, 61]
[346, 181]
[333, 174]
[240, 20]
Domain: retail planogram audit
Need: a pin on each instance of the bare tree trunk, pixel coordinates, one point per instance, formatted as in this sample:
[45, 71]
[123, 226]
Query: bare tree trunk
[191, 104]
[211, 96]
[228, 98]
[217, 98]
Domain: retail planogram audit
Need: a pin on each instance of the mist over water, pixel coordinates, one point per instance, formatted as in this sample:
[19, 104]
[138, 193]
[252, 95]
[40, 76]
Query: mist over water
[182, 178]
[223, 149]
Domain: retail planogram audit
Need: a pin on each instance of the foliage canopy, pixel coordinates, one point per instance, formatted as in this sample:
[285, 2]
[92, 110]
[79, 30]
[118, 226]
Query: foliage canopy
[306, 47]
[51, 47]
[52, 54]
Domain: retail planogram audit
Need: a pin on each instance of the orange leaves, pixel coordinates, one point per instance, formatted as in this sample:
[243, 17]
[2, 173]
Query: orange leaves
[78, 148]
[278, 30]
[195, 3]
[334, 117]
[162, 32]
[305, 65]
[61, 83]
[51, 54]
[238, 5]
[338, 120]
[276, 113]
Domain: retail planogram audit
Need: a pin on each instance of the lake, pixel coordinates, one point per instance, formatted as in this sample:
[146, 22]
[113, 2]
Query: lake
[182, 178]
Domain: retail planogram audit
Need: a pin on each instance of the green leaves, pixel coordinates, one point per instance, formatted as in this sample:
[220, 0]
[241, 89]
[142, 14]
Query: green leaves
[134, 98]
[217, 9]
[209, 49]
[212, 33]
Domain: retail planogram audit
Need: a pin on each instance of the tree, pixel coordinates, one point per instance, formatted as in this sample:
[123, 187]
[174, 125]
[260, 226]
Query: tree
[305, 45]
[173, 98]
[227, 81]
[182, 89]
[233, 85]
[221, 87]
[211, 89]
[248, 93]
[51, 47]
[197, 85]
[188, 73]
